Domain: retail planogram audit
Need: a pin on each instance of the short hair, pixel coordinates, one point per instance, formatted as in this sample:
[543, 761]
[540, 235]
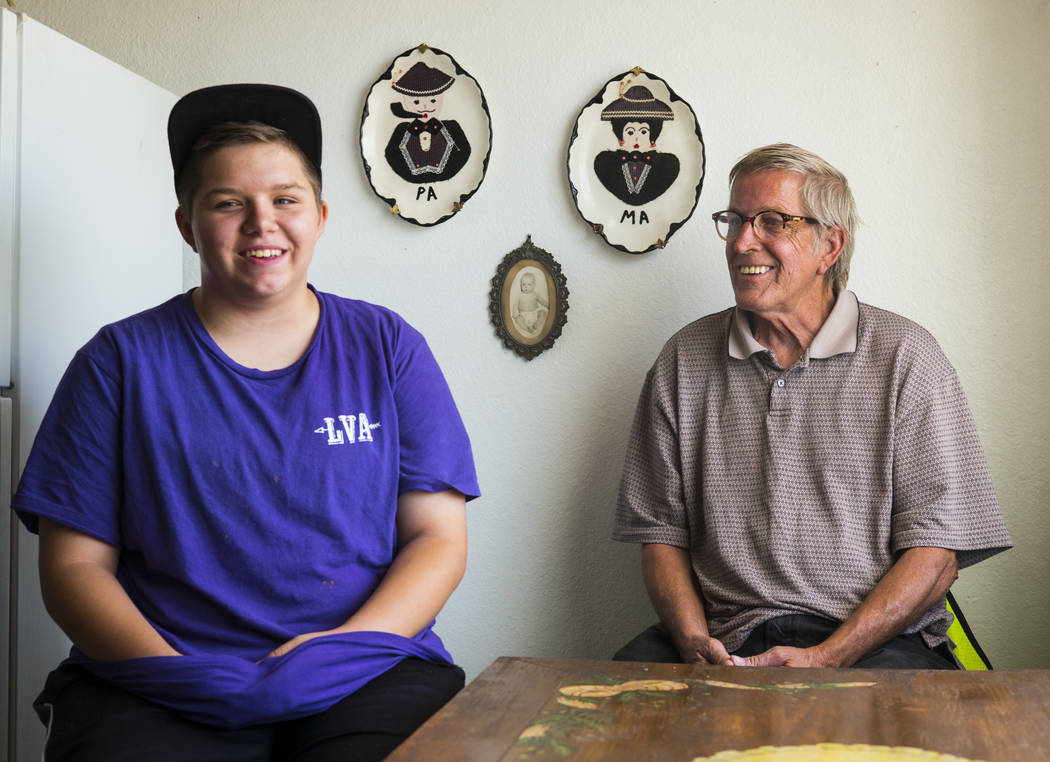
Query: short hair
[228, 134]
[825, 192]
[655, 126]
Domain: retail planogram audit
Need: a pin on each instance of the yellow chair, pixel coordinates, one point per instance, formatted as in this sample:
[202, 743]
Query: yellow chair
[965, 648]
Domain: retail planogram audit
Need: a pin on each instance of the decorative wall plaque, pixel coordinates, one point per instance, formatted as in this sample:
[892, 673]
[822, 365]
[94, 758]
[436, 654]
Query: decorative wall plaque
[425, 136]
[636, 162]
[528, 300]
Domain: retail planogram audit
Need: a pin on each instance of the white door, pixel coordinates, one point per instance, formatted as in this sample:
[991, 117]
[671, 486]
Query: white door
[95, 241]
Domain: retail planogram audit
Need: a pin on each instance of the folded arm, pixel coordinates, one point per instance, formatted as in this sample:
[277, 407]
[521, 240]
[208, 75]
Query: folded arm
[675, 594]
[81, 593]
[917, 580]
[430, 562]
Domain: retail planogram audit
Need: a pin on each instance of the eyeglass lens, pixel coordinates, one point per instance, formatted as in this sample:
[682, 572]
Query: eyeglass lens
[767, 225]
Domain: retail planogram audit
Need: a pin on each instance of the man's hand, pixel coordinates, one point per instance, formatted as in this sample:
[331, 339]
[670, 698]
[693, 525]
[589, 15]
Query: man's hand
[785, 656]
[675, 595]
[917, 580]
[705, 650]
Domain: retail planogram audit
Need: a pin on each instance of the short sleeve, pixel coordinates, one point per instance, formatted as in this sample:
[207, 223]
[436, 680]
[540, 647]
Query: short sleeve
[73, 473]
[651, 505]
[943, 494]
[435, 452]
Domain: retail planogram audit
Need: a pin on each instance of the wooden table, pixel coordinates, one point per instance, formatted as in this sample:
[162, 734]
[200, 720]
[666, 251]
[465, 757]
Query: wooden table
[528, 709]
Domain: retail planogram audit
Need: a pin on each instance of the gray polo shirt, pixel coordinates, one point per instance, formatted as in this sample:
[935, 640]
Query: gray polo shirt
[796, 489]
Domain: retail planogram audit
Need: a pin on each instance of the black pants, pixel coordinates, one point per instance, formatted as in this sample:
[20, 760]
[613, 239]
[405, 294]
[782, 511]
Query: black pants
[93, 721]
[798, 631]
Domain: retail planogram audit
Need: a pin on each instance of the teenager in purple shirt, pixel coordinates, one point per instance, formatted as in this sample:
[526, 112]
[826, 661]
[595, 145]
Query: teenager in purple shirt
[251, 498]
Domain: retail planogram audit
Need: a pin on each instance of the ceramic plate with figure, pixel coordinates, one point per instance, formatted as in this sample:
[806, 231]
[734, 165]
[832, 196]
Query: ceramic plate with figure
[636, 162]
[425, 136]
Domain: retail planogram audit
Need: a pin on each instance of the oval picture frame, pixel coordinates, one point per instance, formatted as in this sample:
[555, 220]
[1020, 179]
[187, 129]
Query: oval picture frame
[425, 136]
[636, 162]
[528, 300]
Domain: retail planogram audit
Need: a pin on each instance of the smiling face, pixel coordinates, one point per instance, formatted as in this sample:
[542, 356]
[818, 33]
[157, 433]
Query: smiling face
[636, 136]
[254, 222]
[424, 106]
[783, 278]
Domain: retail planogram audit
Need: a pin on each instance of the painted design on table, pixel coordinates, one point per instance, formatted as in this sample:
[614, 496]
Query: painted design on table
[552, 732]
[784, 687]
[583, 712]
[425, 136]
[833, 752]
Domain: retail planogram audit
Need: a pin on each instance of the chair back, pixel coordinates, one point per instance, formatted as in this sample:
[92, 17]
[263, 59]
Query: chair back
[965, 647]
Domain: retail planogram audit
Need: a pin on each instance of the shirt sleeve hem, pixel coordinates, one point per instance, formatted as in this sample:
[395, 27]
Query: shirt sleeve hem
[469, 490]
[31, 511]
[967, 553]
[651, 536]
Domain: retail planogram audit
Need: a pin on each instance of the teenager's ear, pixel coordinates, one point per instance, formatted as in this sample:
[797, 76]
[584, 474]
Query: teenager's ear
[185, 228]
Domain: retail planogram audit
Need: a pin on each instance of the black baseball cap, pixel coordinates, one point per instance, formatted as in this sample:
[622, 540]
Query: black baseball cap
[274, 105]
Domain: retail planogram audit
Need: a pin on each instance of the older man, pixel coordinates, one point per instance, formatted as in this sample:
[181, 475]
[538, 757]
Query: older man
[803, 471]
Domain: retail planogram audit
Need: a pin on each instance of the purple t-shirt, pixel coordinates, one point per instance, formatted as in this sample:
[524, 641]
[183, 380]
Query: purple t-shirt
[249, 506]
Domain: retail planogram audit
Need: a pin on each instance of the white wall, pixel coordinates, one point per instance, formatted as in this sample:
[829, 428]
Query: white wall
[937, 111]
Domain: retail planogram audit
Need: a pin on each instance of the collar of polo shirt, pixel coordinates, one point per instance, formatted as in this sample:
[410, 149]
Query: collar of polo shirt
[837, 336]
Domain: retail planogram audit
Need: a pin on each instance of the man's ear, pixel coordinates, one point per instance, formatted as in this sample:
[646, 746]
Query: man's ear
[831, 248]
[185, 228]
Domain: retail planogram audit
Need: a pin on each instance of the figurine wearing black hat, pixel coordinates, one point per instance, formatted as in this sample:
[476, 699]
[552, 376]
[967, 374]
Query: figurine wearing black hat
[637, 173]
[250, 498]
[426, 149]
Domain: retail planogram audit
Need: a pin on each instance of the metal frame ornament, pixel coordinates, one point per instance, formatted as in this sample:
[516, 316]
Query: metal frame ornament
[528, 300]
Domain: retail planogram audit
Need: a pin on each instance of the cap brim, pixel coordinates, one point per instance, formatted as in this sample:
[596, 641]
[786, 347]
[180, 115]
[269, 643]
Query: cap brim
[276, 106]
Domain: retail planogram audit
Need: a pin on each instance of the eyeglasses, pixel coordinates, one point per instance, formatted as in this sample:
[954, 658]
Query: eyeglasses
[768, 225]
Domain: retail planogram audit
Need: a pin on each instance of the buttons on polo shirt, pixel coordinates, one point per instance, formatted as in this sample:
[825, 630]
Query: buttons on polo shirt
[779, 399]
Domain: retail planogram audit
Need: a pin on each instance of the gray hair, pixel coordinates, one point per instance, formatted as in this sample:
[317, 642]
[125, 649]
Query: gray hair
[825, 195]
